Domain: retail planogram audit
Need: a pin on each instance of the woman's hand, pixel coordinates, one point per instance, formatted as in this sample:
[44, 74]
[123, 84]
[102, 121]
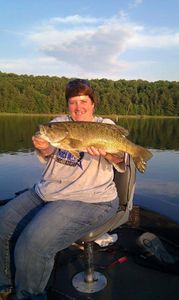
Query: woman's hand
[42, 145]
[110, 157]
[39, 143]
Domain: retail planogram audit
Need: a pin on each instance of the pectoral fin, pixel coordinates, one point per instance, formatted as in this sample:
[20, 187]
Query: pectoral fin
[122, 130]
[74, 153]
[72, 145]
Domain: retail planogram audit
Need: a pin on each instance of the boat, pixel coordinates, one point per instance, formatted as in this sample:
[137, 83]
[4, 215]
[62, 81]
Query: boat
[137, 277]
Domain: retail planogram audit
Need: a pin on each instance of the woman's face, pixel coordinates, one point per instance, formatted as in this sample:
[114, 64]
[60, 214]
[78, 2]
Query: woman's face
[81, 108]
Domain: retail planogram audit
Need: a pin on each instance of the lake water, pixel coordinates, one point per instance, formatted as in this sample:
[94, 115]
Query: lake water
[157, 189]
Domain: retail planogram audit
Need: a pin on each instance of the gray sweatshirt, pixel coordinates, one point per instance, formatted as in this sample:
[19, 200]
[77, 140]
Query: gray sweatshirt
[88, 179]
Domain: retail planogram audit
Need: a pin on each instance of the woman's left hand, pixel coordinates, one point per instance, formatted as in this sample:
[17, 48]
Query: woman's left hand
[110, 157]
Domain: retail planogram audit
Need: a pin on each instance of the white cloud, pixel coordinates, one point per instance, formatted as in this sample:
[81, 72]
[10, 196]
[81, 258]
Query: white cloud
[43, 65]
[155, 40]
[96, 49]
[75, 19]
[135, 3]
[93, 49]
[90, 47]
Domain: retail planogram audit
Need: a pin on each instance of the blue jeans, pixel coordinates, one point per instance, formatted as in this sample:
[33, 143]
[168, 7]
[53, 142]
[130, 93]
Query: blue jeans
[33, 231]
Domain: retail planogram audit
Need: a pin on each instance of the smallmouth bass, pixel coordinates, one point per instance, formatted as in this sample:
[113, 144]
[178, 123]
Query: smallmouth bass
[77, 136]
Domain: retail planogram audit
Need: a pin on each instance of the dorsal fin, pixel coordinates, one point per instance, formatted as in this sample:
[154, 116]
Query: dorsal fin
[122, 130]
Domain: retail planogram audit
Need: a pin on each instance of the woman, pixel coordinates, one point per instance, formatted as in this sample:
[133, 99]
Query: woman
[73, 197]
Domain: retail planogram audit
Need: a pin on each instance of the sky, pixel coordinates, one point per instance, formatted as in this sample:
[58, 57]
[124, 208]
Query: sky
[112, 39]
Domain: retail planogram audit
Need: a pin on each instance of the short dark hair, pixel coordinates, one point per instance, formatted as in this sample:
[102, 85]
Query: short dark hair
[80, 87]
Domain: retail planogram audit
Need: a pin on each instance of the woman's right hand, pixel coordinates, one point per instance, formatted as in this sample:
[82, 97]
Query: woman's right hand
[40, 143]
[43, 146]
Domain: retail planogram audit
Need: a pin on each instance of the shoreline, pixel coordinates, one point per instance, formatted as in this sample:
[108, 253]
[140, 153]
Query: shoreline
[113, 116]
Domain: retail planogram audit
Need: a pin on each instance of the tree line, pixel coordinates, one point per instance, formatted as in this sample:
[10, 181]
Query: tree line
[45, 94]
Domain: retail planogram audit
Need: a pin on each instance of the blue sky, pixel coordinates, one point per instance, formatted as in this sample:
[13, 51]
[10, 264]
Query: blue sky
[113, 39]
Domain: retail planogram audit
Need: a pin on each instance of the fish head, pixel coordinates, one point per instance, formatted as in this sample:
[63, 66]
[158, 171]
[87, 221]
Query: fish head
[52, 132]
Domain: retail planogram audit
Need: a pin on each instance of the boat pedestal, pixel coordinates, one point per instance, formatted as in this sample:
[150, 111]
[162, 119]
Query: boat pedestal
[89, 281]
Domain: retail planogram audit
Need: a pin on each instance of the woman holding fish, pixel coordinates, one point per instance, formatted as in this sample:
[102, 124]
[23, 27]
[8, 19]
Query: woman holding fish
[75, 195]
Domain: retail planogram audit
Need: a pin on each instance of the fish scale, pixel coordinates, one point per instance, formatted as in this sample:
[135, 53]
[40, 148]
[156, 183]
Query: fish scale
[78, 136]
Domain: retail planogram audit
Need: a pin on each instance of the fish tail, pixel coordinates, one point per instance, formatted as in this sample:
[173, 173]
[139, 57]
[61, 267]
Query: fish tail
[141, 157]
[145, 153]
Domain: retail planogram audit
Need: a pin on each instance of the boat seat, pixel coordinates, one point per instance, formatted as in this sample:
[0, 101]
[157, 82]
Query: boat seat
[90, 281]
